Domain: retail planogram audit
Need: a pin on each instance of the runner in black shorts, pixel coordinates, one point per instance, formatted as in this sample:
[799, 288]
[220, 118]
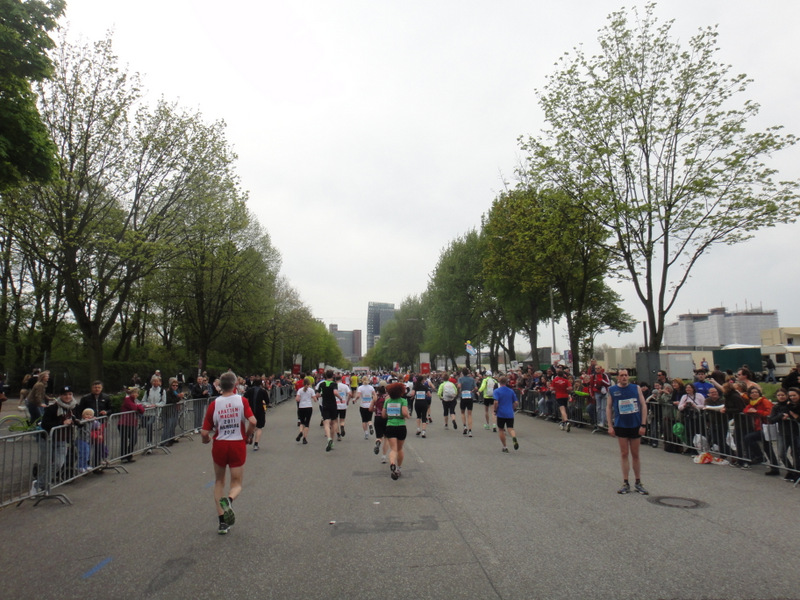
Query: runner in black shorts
[626, 413]
[376, 406]
[395, 409]
[329, 392]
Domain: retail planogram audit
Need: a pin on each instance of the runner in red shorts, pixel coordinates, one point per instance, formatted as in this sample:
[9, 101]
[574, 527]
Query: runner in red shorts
[227, 415]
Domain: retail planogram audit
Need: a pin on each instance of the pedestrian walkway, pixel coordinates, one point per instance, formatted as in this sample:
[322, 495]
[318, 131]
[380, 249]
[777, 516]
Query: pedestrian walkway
[464, 521]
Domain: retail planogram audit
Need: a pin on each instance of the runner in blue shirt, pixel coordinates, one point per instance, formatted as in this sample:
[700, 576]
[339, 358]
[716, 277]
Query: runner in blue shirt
[505, 404]
[629, 411]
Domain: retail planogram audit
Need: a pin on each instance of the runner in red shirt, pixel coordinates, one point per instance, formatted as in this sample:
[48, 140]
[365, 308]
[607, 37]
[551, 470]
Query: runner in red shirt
[227, 415]
[562, 387]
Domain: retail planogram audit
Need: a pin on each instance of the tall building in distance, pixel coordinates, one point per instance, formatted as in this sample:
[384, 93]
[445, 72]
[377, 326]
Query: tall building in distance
[349, 342]
[378, 314]
[718, 327]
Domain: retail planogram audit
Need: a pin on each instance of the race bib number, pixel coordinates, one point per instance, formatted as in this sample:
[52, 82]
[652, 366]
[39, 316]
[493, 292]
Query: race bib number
[420, 395]
[394, 409]
[628, 406]
[366, 398]
[466, 394]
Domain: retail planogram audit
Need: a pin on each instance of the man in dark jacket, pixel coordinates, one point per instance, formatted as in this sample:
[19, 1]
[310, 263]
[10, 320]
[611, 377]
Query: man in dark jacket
[99, 402]
[258, 397]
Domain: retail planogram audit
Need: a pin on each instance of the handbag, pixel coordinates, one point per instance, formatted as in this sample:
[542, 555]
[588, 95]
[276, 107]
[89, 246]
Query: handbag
[770, 432]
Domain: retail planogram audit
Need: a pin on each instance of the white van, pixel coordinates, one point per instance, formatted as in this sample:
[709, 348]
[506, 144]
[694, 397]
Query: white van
[784, 357]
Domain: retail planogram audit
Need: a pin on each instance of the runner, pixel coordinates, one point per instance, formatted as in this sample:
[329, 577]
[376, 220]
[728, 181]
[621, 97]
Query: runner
[226, 415]
[329, 392]
[422, 403]
[341, 406]
[562, 387]
[487, 390]
[258, 397]
[305, 409]
[395, 411]
[505, 404]
[365, 394]
[629, 411]
[376, 407]
[466, 385]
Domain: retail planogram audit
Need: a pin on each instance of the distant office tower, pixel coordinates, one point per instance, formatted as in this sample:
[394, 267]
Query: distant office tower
[378, 314]
[349, 342]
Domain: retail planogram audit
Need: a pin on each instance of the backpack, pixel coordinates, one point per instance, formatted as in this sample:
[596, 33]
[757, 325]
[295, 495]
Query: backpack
[449, 392]
[490, 385]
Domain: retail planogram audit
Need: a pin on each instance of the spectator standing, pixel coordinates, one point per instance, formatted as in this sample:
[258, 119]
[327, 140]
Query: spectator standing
[626, 413]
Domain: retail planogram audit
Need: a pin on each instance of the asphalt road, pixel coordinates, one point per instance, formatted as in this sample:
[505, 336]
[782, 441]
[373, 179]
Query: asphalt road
[464, 521]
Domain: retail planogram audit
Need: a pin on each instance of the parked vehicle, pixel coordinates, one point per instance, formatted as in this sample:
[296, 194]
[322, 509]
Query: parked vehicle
[785, 358]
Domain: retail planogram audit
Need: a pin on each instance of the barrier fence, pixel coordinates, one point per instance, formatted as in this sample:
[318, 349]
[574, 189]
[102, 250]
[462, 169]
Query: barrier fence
[742, 440]
[34, 464]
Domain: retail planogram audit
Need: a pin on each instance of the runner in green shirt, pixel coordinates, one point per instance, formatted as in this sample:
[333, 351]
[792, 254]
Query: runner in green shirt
[395, 411]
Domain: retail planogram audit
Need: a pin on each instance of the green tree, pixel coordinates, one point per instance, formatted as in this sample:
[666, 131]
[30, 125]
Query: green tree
[653, 137]
[26, 151]
[453, 311]
[114, 214]
[510, 269]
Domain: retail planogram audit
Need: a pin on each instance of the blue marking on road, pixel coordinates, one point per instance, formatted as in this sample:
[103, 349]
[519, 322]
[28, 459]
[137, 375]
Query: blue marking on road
[96, 568]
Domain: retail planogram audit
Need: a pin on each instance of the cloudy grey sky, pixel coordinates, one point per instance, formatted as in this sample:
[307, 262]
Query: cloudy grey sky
[371, 133]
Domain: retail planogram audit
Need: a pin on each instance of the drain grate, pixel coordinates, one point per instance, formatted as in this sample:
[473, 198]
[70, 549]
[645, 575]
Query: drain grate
[676, 502]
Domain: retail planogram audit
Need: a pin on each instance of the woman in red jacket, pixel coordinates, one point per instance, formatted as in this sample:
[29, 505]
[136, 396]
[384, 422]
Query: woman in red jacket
[758, 410]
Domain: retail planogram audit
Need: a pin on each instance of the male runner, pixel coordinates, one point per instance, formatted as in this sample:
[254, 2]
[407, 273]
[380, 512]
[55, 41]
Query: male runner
[505, 403]
[488, 385]
[629, 411]
[227, 415]
[466, 385]
[329, 392]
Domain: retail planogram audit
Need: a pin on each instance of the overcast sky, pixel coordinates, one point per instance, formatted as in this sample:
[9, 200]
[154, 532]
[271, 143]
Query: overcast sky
[371, 133]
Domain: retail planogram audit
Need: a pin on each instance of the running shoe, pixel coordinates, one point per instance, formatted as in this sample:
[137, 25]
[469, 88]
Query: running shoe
[383, 459]
[342, 431]
[569, 426]
[494, 428]
[227, 511]
[626, 487]
[395, 474]
[505, 450]
[338, 437]
[366, 435]
[418, 432]
[423, 434]
[465, 431]
[470, 433]
[299, 435]
[224, 528]
[640, 488]
[454, 425]
[371, 429]
[377, 447]
[430, 420]
[486, 426]
[329, 446]
[255, 447]
[561, 426]
[516, 443]
[305, 441]
[744, 465]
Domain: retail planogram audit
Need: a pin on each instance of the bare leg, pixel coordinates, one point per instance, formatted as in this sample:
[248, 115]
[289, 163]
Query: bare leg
[623, 450]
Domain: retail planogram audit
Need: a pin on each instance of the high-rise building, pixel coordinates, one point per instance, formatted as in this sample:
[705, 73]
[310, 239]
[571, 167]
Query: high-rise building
[378, 314]
[349, 342]
[718, 327]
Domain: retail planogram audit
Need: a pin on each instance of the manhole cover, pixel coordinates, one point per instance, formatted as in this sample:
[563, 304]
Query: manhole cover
[675, 502]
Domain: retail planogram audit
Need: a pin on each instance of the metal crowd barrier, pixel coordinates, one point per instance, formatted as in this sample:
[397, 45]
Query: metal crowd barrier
[19, 459]
[776, 446]
[281, 393]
